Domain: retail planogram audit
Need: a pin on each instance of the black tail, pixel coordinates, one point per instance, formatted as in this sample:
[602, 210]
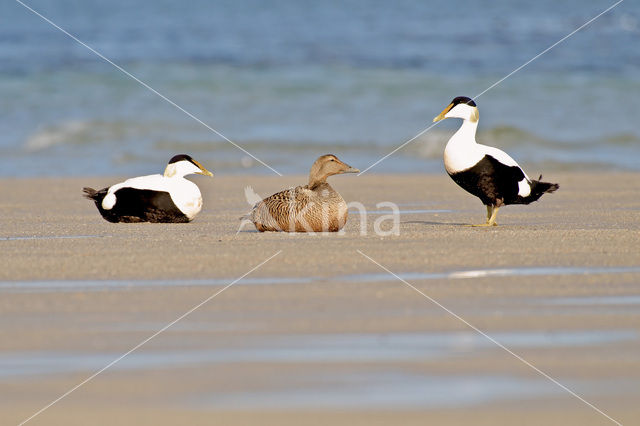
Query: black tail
[89, 193]
[92, 194]
[537, 189]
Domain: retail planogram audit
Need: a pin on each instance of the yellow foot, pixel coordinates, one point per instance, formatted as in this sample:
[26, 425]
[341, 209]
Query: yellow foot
[483, 225]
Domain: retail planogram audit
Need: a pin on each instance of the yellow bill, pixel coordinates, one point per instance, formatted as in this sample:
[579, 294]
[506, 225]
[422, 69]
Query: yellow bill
[203, 170]
[444, 112]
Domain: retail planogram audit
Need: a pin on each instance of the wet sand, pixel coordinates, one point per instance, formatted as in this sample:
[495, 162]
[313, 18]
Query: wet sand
[320, 334]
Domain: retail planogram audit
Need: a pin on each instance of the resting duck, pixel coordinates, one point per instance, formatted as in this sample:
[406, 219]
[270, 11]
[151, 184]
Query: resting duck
[315, 207]
[154, 198]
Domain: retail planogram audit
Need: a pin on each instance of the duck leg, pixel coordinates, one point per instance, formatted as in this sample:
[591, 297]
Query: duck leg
[492, 212]
[492, 220]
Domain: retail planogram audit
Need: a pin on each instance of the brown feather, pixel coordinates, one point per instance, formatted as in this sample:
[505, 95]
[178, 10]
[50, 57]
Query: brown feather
[315, 207]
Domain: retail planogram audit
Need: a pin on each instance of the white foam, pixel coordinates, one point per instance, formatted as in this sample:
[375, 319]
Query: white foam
[58, 134]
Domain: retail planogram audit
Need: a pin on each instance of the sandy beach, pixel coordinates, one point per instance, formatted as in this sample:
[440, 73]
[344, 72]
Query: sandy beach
[320, 334]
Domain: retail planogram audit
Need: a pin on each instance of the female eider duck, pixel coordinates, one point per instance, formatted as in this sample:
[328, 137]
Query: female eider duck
[486, 172]
[168, 198]
[315, 207]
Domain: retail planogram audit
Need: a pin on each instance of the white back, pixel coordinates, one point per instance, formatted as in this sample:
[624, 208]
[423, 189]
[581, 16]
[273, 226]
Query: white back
[184, 193]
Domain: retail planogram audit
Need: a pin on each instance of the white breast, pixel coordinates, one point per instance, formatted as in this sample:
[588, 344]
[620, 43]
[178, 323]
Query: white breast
[186, 196]
[462, 152]
[458, 158]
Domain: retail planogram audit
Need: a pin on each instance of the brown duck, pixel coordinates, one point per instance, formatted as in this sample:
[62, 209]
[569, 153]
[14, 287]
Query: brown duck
[315, 207]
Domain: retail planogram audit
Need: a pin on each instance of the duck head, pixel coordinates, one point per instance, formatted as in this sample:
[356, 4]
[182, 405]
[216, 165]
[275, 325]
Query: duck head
[325, 166]
[182, 165]
[460, 107]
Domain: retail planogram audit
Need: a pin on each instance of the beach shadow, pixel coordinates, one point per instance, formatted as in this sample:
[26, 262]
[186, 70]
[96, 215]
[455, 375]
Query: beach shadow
[426, 222]
[247, 231]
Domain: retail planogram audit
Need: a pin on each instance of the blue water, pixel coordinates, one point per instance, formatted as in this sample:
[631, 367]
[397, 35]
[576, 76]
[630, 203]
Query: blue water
[101, 285]
[377, 380]
[290, 80]
[323, 348]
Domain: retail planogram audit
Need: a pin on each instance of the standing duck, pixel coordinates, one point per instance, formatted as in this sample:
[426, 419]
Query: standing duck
[486, 172]
[155, 198]
[315, 207]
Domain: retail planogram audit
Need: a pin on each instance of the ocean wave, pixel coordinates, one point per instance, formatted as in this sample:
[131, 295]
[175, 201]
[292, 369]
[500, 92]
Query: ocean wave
[85, 132]
[62, 133]
[78, 132]
[129, 146]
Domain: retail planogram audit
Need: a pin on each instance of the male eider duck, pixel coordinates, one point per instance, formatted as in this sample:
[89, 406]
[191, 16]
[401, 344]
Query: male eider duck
[486, 172]
[168, 198]
[315, 207]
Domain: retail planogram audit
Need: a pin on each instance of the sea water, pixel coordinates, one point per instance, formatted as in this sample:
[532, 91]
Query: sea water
[291, 80]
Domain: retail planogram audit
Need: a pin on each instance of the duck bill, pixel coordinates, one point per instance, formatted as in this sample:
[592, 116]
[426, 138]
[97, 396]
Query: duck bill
[444, 112]
[205, 172]
[202, 171]
[351, 170]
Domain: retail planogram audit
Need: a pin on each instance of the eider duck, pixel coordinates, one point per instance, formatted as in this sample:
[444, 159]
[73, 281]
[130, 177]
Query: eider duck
[315, 207]
[168, 198]
[486, 172]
